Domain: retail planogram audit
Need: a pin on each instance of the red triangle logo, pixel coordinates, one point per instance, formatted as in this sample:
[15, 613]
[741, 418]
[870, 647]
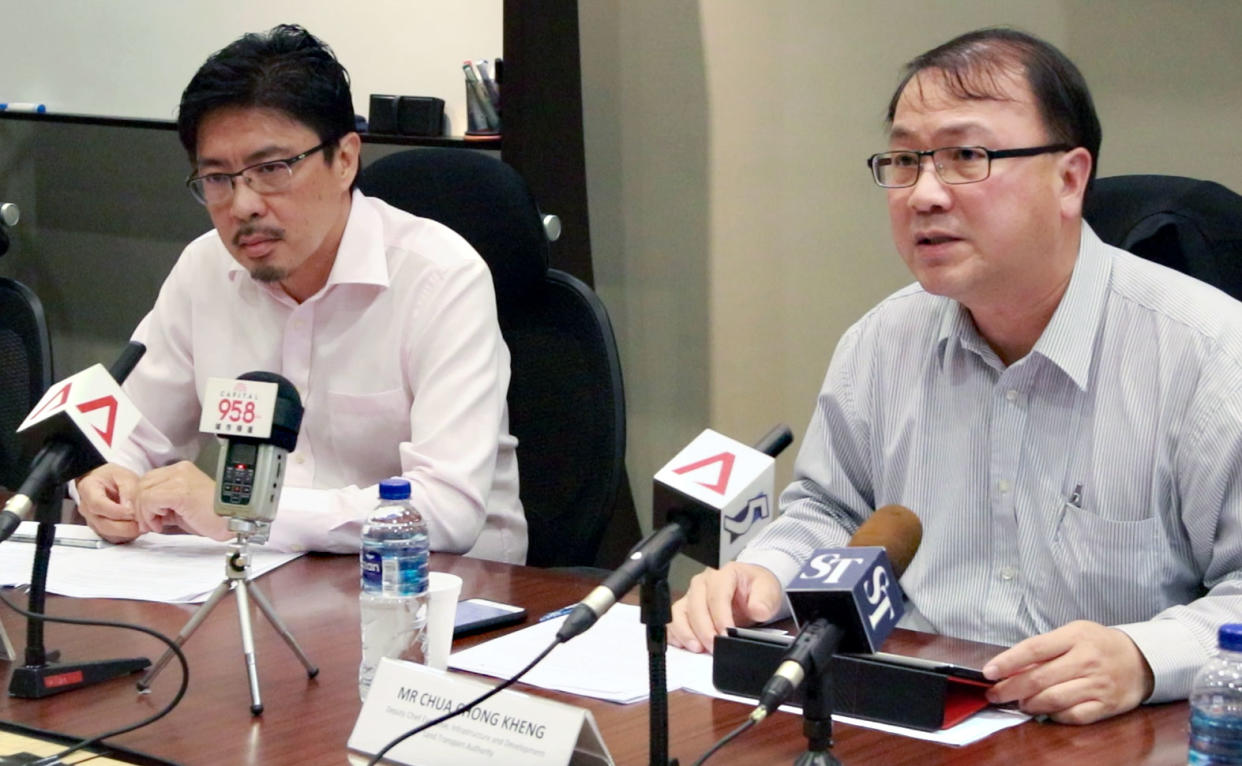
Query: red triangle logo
[56, 400]
[726, 469]
[109, 402]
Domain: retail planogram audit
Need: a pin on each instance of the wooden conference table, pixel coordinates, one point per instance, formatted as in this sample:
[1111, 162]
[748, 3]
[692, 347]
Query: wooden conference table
[307, 722]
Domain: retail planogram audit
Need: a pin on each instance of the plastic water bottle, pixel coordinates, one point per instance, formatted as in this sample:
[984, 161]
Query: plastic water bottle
[1216, 705]
[393, 600]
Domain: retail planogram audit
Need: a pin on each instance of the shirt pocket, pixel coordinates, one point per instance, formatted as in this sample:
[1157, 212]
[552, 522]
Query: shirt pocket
[367, 430]
[1105, 570]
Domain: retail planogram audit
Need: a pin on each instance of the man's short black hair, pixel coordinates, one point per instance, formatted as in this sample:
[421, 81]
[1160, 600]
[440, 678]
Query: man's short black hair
[286, 69]
[972, 64]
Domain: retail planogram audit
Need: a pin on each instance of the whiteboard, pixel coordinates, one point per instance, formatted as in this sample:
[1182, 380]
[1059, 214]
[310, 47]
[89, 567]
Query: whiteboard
[132, 58]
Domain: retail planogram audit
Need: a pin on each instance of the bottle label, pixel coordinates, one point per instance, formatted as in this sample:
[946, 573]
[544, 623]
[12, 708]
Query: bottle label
[394, 571]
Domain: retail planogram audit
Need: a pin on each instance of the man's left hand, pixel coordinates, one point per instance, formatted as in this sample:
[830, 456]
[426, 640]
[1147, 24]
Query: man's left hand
[1079, 673]
[182, 495]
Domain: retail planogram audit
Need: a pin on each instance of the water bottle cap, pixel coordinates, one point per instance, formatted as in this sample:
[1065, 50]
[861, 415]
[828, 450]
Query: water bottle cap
[394, 489]
[1230, 637]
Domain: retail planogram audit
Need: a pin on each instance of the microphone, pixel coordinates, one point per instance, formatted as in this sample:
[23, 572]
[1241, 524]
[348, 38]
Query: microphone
[715, 482]
[841, 597]
[78, 421]
[258, 416]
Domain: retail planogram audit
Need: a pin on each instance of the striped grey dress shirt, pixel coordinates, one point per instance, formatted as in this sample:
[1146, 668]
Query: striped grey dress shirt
[1096, 478]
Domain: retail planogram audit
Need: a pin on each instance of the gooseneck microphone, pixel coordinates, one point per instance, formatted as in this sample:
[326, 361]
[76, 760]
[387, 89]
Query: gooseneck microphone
[77, 421]
[653, 553]
[71, 446]
[842, 598]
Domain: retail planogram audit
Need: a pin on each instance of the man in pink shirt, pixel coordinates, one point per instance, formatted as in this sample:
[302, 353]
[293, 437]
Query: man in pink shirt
[385, 323]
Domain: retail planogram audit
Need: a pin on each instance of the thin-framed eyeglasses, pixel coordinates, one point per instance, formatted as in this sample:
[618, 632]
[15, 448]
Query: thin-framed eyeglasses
[954, 164]
[269, 177]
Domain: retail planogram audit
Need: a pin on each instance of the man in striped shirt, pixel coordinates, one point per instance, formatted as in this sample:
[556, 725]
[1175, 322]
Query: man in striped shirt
[1064, 417]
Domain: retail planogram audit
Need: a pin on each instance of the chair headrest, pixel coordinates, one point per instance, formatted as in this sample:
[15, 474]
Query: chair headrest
[478, 196]
[1121, 208]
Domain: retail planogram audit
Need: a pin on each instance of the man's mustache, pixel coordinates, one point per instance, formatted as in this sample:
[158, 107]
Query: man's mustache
[251, 230]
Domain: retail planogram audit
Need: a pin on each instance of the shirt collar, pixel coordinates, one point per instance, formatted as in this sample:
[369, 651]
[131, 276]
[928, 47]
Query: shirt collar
[361, 258]
[1069, 339]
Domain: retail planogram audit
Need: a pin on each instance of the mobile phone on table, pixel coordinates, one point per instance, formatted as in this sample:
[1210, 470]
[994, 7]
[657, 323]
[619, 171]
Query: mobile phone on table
[477, 615]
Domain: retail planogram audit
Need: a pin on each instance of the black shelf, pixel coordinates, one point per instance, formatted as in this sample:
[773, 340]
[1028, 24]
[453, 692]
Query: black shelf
[148, 124]
[90, 119]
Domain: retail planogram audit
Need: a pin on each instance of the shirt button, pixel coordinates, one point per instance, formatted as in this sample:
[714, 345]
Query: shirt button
[300, 459]
[1003, 486]
[1008, 573]
[1011, 395]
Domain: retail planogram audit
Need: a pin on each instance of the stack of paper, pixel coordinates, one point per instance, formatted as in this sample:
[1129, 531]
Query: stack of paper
[169, 568]
[608, 662]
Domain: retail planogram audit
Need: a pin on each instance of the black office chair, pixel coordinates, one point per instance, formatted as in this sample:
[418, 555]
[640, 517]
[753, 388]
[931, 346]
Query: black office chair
[1187, 224]
[25, 373]
[566, 401]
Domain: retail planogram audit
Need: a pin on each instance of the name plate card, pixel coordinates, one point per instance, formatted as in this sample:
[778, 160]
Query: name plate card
[510, 728]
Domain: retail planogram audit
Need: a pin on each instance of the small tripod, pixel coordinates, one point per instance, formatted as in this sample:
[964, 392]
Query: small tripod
[237, 577]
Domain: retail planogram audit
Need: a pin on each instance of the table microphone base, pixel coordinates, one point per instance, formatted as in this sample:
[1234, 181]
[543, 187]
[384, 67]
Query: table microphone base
[817, 758]
[38, 681]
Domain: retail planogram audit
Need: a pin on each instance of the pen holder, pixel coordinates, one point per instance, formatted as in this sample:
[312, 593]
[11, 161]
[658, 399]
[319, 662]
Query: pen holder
[482, 110]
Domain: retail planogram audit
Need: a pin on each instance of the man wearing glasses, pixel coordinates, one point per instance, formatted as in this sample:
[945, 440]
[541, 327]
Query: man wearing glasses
[1064, 417]
[384, 322]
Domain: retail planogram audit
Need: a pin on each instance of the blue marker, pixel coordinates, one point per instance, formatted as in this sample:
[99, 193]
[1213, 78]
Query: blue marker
[23, 106]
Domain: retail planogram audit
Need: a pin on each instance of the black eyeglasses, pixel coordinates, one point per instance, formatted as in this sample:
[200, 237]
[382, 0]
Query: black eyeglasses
[268, 177]
[954, 164]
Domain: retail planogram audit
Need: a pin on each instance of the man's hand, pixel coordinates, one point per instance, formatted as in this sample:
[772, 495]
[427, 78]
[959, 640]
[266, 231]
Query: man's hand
[720, 599]
[106, 500]
[1079, 673]
[182, 495]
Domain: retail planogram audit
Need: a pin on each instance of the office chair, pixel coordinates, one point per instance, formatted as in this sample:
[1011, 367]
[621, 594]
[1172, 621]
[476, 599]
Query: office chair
[25, 373]
[566, 401]
[1187, 224]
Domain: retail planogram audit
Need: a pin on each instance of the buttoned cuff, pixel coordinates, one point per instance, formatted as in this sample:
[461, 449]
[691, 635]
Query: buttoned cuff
[315, 520]
[1173, 653]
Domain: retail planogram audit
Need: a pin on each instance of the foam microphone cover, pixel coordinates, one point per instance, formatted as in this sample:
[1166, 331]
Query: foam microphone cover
[894, 528]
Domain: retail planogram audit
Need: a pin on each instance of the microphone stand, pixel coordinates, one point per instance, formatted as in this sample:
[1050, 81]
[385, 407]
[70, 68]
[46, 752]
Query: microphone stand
[656, 610]
[237, 579]
[657, 613]
[42, 676]
[817, 700]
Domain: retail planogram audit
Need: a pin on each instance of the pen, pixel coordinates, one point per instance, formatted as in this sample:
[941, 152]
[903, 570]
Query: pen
[485, 76]
[1075, 498]
[557, 613]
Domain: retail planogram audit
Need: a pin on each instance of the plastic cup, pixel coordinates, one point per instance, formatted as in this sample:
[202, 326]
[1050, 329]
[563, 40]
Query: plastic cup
[443, 590]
